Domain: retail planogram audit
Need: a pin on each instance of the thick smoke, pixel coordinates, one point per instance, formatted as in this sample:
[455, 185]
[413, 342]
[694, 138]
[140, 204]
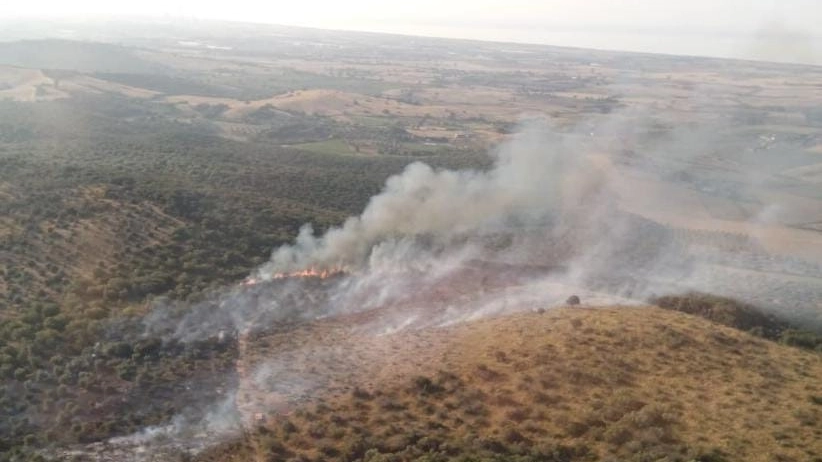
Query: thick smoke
[525, 184]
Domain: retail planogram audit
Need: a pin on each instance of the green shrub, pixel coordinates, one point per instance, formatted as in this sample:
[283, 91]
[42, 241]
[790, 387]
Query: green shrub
[802, 339]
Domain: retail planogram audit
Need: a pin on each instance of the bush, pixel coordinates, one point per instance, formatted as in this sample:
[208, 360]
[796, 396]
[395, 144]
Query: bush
[802, 339]
[121, 350]
[361, 394]
[725, 311]
[426, 386]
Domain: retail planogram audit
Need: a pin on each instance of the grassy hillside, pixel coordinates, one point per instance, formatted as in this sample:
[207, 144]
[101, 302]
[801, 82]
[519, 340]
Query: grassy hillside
[616, 383]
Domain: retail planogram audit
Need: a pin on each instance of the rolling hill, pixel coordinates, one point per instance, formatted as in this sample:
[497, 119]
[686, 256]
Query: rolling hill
[567, 384]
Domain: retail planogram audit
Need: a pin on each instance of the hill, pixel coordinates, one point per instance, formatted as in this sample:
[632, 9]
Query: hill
[616, 383]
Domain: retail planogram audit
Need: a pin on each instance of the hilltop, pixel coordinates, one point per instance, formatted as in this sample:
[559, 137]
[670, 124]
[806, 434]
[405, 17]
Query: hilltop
[612, 383]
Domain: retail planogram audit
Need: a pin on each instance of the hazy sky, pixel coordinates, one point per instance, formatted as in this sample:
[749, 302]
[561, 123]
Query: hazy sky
[775, 28]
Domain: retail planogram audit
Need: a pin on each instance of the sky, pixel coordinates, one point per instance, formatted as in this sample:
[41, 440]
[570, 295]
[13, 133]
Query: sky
[783, 30]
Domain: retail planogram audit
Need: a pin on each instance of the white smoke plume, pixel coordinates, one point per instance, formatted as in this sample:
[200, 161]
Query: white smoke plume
[524, 184]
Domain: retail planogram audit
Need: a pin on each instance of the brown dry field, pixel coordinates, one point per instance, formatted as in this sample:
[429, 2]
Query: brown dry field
[20, 84]
[663, 202]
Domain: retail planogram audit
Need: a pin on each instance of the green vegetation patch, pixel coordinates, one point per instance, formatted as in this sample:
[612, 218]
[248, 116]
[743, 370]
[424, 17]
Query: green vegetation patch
[330, 147]
[742, 316]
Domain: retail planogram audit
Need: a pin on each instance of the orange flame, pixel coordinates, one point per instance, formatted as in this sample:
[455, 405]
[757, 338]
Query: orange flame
[309, 273]
[306, 273]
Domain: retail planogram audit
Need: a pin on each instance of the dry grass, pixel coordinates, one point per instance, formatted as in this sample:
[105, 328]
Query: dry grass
[656, 200]
[19, 84]
[604, 384]
[83, 83]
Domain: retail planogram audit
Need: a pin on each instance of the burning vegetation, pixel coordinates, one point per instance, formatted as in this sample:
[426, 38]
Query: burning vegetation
[310, 273]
